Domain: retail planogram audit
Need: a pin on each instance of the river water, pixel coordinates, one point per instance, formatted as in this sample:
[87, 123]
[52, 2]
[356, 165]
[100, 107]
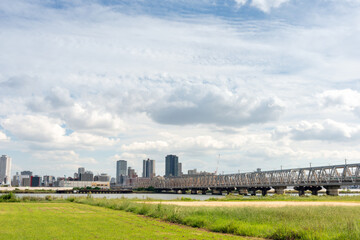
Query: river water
[160, 196]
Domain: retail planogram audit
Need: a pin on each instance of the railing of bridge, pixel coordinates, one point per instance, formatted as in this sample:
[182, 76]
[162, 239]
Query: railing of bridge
[348, 174]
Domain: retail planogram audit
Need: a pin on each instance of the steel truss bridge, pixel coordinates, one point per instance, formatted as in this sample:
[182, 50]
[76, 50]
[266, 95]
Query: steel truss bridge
[302, 179]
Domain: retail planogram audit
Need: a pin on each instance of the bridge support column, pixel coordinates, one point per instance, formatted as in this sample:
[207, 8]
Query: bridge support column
[193, 191]
[216, 191]
[264, 190]
[280, 190]
[314, 190]
[301, 190]
[203, 191]
[183, 191]
[243, 191]
[252, 191]
[228, 191]
[332, 190]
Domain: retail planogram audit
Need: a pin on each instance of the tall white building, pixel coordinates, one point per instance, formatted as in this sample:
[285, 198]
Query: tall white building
[5, 170]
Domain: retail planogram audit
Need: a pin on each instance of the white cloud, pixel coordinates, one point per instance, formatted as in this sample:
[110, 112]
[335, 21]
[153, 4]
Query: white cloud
[267, 5]
[346, 99]
[34, 128]
[88, 73]
[176, 143]
[85, 117]
[327, 130]
[3, 137]
[93, 120]
[48, 133]
[240, 3]
[212, 105]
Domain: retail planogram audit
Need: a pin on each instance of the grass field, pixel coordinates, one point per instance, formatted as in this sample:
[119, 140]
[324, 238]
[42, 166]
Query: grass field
[315, 222]
[79, 221]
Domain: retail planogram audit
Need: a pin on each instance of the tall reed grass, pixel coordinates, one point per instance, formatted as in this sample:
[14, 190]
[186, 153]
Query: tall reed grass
[316, 222]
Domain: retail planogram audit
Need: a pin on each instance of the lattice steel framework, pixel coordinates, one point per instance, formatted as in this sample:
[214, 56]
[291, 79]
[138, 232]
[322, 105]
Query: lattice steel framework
[336, 175]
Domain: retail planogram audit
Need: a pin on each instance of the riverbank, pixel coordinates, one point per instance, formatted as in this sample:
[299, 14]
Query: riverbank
[65, 220]
[286, 222]
[261, 219]
[256, 203]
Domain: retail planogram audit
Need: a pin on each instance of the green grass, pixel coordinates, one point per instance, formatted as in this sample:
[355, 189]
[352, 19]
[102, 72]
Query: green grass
[78, 221]
[315, 222]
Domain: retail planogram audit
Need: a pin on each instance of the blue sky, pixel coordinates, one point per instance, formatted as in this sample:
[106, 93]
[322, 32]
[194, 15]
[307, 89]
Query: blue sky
[262, 83]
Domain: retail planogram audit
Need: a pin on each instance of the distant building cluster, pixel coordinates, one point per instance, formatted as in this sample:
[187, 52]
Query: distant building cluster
[126, 176]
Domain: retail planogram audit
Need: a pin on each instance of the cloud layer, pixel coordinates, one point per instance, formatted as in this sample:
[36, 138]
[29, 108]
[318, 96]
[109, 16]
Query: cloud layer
[262, 83]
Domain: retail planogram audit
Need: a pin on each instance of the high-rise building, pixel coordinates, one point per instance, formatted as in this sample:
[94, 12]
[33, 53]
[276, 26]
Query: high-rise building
[5, 170]
[102, 178]
[35, 181]
[132, 173]
[16, 180]
[192, 172]
[171, 166]
[25, 181]
[26, 173]
[121, 170]
[179, 169]
[81, 170]
[87, 176]
[148, 168]
[48, 181]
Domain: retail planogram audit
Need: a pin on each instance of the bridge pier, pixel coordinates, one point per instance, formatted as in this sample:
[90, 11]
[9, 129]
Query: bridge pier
[280, 190]
[301, 190]
[314, 190]
[216, 192]
[332, 190]
[252, 191]
[193, 191]
[203, 191]
[264, 190]
[183, 191]
[243, 191]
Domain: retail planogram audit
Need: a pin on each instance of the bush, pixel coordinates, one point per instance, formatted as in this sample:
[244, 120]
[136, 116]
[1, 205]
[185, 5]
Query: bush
[48, 198]
[10, 197]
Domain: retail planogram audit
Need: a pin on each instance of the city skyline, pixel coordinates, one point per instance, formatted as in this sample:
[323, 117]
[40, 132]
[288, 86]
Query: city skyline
[263, 84]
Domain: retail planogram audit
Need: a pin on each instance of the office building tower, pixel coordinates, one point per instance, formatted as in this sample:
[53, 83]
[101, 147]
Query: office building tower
[179, 169]
[25, 181]
[87, 176]
[132, 173]
[16, 182]
[121, 171]
[102, 178]
[5, 170]
[81, 170]
[48, 181]
[35, 181]
[148, 168]
[112, 180]
[76, 176]
[171, 166]
[26, 173]
[192, 172]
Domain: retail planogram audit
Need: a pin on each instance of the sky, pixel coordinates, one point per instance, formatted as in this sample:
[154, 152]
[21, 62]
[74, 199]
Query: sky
[227, 85]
